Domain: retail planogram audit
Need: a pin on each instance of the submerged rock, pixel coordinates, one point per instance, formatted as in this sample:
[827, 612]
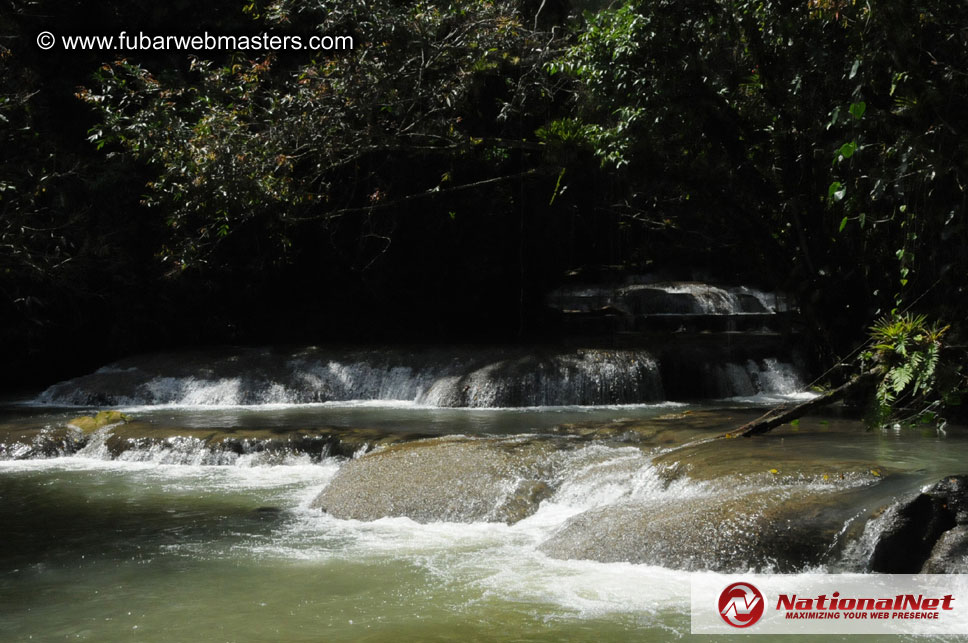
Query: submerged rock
[926, 533]
[268, 514]
[451, 480]
[788, 453]
[663, 431]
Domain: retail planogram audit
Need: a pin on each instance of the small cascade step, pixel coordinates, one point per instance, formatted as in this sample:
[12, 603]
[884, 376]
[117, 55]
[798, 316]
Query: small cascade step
[667, 307]
[711, 341]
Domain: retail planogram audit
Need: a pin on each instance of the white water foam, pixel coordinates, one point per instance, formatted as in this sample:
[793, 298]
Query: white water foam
[191, 471]
[766, 381]
[471, 379]
[485, 561]
[711, 300]
[397, 405]
[495, 561]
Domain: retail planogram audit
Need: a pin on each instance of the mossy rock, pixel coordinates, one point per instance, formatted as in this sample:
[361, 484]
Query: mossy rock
[89, 423]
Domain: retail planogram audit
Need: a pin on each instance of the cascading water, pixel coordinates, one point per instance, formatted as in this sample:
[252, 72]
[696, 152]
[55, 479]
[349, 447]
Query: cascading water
[474, 378]
[672, 356]
[462, 378]
[595, 518]
[670, 298]
[618, 494]
[358, 488]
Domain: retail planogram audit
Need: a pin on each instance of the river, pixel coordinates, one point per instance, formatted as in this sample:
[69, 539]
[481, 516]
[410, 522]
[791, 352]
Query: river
[169, 537]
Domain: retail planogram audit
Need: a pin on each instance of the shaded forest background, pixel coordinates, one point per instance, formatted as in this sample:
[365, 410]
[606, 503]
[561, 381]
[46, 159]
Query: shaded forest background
[465, 158]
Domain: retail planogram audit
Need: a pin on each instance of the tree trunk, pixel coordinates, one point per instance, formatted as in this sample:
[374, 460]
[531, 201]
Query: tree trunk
[776, 417]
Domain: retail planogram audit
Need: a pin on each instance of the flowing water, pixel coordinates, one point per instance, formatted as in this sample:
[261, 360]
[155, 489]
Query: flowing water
[178, 540]
[329, 494]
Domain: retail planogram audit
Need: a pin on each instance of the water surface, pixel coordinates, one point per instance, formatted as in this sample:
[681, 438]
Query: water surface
[101, 548]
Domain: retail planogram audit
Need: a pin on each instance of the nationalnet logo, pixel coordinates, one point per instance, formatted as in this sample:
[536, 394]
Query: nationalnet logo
[899, 606]
[830, 604]
[741, 605]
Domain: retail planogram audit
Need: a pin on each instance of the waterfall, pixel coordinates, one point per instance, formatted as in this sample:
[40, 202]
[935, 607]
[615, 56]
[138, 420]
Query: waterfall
[582, 378]
[438, 378]
[470, 377]
[670, 298]
[680, 341]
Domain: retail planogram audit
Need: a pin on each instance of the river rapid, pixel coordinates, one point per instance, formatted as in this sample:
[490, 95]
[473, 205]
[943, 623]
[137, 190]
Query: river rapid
[212, 522]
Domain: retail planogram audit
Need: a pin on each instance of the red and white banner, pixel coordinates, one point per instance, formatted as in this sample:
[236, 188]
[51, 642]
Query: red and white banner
[925, 604]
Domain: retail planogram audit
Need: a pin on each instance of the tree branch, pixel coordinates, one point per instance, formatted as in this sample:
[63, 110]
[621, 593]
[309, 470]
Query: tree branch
[420, 195]
[777, 417]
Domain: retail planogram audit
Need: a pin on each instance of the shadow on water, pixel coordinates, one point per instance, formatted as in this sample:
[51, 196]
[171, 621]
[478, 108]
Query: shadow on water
[53, 520]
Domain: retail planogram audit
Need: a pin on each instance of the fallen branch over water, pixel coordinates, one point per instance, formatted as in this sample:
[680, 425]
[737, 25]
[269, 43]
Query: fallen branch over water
[780, 416]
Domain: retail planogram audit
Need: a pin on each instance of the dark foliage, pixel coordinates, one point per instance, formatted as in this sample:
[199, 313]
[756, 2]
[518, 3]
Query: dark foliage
[434, 181]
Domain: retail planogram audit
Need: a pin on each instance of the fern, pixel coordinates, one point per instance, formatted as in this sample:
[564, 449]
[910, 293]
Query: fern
[901, 376]
[926, 377]
[909, 349]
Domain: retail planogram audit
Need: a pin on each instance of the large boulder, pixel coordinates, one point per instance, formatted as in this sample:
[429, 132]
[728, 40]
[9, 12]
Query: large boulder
[444, 480]
[781, 529]
[920, 534]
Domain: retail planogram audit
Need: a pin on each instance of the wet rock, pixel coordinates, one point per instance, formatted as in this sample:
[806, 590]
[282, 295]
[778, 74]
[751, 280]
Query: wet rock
[40, 442]
[788, 453]
[89, 424]
[664, 430]
[950, 553]
[780, 530]
[954, 490]
[524, 500]
[914, 529]
[911, 531]
[317, 443]
[116, 435]
[452, 480]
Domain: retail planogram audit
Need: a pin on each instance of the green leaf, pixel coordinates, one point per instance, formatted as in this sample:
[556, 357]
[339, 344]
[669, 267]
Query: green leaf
[857, 109]
[834, 115]
[843, 224]
[836, 191]
[847, 149]
[558, 189]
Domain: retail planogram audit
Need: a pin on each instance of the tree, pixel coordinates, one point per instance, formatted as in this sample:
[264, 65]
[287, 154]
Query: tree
[249, 154]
